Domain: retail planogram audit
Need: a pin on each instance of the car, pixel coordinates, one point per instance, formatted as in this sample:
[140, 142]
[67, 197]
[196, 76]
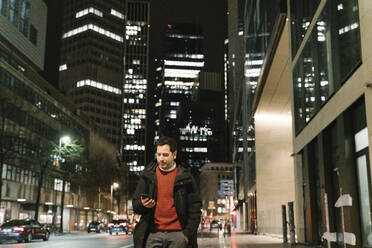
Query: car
[118, 226]
[23, 230]
[131, 226]
[215, 224]
[94, 226]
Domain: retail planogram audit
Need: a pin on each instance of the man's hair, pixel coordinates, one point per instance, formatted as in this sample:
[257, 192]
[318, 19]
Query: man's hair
[165, 140]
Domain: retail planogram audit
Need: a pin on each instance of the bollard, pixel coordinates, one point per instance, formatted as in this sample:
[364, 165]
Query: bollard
[284, 223]
[292, 237]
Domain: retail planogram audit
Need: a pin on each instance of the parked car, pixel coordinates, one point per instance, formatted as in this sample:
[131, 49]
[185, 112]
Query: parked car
[215, 224]
[118, 226]
[94, 226]
[23, 230]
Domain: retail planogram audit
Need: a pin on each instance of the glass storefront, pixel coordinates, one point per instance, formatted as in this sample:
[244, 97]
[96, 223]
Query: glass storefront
[336, 163]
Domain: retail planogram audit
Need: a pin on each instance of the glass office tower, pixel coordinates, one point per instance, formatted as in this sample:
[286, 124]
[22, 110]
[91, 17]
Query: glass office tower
[135, 84]
[176, 74]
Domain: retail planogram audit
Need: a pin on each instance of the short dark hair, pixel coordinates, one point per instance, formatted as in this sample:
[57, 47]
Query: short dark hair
[165, 140]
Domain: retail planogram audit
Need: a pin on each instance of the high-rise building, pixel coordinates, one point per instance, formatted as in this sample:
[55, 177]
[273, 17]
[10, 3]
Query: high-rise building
[201, 125]
[135, 84]
[183, 59]
[91, 64]
[189, 102]
[250, 31]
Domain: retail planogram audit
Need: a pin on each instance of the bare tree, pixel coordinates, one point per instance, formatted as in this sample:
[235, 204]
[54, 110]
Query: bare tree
[9, 111]
[104, 167]
[102, 164]
[71, 154]
[43, 159]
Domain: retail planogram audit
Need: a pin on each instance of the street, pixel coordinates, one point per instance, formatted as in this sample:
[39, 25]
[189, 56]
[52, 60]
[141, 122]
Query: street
[79, 240]
[208, 240]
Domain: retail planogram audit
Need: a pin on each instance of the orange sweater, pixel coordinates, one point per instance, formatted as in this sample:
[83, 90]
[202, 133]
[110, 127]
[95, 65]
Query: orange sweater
[166, 218]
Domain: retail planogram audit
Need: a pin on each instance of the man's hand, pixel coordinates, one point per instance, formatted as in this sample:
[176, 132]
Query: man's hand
[187, 240]
[147, 202]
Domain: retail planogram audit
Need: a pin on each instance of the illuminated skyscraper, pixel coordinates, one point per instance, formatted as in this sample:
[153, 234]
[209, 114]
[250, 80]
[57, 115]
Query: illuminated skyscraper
[189, 102]
[91, 64]
[135, 84]
[176, 74]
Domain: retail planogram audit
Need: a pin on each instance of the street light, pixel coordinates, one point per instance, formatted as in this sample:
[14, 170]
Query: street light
[62, 140]
[113, 187]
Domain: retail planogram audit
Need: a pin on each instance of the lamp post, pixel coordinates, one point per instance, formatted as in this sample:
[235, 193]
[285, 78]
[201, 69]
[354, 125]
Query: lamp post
[113, 187]
[62, 140]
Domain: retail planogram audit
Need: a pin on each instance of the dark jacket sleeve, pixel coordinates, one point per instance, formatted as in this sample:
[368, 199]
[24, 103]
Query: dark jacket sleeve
[194, 210]
[138, 208]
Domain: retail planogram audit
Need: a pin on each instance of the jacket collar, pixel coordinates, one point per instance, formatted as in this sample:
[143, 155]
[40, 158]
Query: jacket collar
[183, 173]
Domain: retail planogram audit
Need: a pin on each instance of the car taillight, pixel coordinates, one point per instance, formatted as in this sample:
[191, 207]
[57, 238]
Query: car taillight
[18, 229]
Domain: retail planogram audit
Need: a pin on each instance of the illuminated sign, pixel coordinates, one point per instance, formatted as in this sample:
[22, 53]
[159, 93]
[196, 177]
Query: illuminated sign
[195, 129]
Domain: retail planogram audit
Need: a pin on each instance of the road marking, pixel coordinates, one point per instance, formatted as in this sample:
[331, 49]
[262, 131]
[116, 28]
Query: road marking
[126, 246]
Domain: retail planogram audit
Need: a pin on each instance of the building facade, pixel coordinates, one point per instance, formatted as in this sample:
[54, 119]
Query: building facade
[33, 115]
[251, 25]
[317, 92]
[330, 92]
[91, 63]
[216, 191]
[137, 25]
[183, 59]
[201, 124]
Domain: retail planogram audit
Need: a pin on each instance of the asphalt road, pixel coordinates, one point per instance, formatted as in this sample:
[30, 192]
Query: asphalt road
[212, 239]
[78, 241]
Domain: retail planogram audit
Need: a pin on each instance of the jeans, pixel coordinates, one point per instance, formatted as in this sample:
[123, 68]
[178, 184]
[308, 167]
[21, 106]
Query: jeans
[166, 240]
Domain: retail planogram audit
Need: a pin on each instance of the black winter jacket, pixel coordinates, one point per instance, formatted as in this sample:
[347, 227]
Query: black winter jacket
[186, 198]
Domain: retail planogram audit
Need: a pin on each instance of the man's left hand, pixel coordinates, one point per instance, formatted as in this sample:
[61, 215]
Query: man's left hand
[187, 240]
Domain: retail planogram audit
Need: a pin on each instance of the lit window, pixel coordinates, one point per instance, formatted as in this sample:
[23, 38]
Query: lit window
[63, 67]
[183, 63]
[182, 36]
[98, 85]
[87, 11]
[117, 14]
[189, 56]
[182, 73]
[94, 28]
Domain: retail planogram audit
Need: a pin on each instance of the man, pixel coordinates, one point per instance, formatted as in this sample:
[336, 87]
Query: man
[168, 200]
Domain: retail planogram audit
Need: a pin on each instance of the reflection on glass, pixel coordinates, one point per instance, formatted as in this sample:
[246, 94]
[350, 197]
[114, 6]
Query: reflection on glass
[330, 55]
[301, 15]
[364, 201]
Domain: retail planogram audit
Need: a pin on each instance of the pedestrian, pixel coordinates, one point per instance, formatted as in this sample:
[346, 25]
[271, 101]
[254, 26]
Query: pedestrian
[168, 201]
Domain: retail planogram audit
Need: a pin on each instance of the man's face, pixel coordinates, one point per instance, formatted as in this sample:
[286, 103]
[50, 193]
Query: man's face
[165, 157]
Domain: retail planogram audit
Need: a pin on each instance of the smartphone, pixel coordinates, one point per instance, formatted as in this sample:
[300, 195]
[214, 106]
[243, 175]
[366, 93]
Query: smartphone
[145, 196]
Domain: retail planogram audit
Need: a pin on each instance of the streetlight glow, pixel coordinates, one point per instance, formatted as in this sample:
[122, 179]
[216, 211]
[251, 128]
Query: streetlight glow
[114, 186]
[65, 139]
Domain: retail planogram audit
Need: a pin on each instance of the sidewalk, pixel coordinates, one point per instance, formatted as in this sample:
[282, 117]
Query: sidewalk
[241, 240]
